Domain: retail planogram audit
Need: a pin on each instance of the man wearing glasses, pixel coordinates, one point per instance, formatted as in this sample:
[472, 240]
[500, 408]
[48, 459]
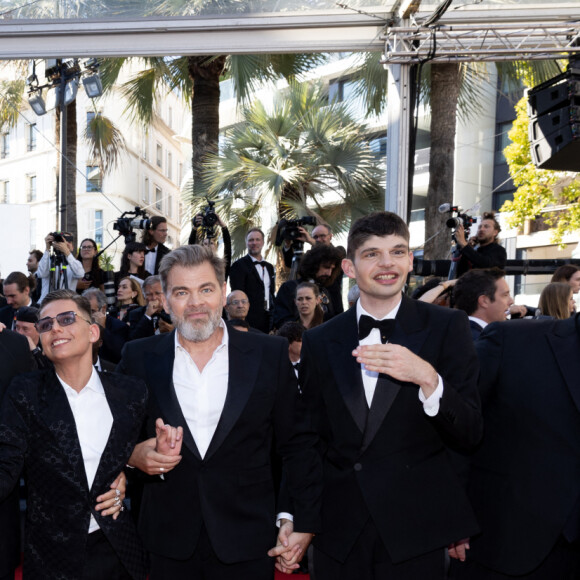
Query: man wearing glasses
[237, 305]
[72, 430]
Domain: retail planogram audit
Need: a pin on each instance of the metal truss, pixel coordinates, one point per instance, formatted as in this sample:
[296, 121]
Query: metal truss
[482, 42]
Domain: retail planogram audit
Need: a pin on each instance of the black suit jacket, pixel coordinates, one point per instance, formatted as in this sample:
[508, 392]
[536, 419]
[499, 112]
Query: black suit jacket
[393, 467]
[7, 314]
[230, 490]
[38, 432]
[525, 477]
[15, 359]
[476, 329]
[487, 256]
[115, 335]
[162, 251]
[244, 276]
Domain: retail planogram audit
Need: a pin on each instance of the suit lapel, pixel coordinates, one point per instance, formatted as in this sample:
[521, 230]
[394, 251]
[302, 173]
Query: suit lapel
[57, 415]
[159, 372]
[346, 370]
[254, 271]
[243, 364]
[565, 344]
[409, 332]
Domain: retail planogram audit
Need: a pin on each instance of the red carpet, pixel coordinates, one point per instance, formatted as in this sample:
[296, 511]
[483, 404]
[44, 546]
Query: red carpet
[279, 576]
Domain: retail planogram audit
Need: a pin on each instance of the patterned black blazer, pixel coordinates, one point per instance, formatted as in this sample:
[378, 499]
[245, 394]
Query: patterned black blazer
[38, 432]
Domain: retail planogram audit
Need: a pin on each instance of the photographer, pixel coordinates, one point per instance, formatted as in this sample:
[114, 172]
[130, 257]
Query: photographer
[154, 240]
[204, 224]
[59, 269]
[482, 250]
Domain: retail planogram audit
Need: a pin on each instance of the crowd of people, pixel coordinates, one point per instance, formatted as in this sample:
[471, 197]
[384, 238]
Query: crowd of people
[405, 438]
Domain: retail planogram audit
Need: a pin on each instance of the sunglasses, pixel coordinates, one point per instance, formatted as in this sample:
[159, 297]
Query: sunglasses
[63, 319]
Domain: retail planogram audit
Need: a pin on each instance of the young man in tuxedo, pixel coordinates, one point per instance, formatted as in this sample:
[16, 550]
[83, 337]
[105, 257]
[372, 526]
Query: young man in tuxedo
[213, 513]
[391, 384]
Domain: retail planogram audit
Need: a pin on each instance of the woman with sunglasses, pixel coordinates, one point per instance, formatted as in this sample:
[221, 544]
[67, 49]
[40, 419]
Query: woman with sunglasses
[94, 275]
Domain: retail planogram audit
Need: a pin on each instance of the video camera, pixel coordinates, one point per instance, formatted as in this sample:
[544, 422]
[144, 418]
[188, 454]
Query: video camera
[288, 229]
[460, 219]
[130, 220]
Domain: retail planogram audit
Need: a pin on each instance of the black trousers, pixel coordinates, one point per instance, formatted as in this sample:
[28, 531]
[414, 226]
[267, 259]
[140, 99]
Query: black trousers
[205, 565]
[369, 560]
[562, 563]
[102, 561]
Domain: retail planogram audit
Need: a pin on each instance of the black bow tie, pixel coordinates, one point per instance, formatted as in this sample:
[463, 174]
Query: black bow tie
[367, 323]
[147, 250]
[258, 263]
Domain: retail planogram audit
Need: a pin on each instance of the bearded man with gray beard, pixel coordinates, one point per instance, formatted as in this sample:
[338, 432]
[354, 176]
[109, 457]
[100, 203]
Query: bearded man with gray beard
[210, 512]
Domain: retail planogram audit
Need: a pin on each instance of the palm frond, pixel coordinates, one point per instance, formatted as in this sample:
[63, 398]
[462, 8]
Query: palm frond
[11, 99]
[106, 143]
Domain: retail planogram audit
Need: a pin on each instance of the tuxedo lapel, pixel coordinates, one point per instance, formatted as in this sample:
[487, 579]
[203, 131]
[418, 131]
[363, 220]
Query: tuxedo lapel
[565, 344]
[243, 365]
[411, 333]
[57, 415]
[253, 271]
[347, 372]
[159, 372]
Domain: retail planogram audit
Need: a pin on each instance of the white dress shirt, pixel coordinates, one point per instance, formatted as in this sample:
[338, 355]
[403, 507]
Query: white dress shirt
[202, 395]
[369, 378]
[265, 277]
[93, 421]
[481, 323]
[150, 258]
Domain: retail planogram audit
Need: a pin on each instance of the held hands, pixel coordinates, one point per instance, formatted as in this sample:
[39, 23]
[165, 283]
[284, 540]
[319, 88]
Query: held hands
[111, 503]
[159, 454]
[290, 547]
[400, 363]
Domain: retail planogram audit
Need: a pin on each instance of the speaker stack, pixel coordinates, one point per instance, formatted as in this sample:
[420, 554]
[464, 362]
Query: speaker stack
[554, 110]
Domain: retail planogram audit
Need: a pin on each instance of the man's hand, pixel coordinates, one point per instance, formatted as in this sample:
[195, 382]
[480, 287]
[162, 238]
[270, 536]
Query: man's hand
[400, 363]
[145, 458]
[518, 310]
[111, 503]
[290, 547]
[460, 236]
[153, 307]
[61, 247]
[457, 550]
[100, 318]
[83, 284]
[168, 440]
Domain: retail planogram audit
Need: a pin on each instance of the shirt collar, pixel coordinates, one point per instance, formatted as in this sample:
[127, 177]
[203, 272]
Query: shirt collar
[94, 384]
[224, 343]
[481, 323]
[360, 311]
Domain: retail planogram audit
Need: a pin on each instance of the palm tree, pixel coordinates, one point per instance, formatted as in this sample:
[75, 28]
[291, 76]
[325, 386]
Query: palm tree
[303, 156]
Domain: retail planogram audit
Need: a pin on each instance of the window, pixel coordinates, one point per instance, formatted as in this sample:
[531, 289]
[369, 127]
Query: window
[145, 196]
[5, 192]
[159, 156]
[502, 141]
[94, 181]
[99, 227]
[341, 90]
[145, 145]
[31, 188]
[179, 174]
[5, 145]
[170, 117]
[90, 116]
[169, 165]
[31, 137]
[169, 206]
[158, 198]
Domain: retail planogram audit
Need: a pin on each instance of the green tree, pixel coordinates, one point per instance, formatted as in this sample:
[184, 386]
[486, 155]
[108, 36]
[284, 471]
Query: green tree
[302, 156]
[555, 195]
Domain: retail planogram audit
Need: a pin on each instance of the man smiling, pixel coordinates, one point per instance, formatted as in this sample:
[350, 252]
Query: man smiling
[392, 385]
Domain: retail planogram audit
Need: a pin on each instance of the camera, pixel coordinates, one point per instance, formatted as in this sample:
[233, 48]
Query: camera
[461, 219]
[288, 229]
[209, 216]
[60, 237]
[130, 220]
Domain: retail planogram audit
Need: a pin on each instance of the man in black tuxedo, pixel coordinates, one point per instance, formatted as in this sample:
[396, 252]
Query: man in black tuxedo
[73, 430]
[154, 239]
[392, 386]
[17, 291]
[484, 295]
[256, 278]
[213, 513]
[525, 476]
[15, 359]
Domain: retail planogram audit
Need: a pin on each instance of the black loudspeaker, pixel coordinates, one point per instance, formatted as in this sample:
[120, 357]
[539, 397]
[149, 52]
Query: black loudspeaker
[554, 131]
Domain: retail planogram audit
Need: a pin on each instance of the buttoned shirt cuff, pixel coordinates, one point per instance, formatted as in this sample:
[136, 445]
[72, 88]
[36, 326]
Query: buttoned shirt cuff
[283, 516]
[431, 404]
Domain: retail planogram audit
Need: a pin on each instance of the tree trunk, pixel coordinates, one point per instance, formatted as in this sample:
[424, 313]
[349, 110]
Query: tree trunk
[205, 73]
[444, 95]
[71, 172]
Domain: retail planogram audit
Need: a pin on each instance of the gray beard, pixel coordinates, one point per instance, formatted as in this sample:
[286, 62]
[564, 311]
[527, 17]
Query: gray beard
[197, 332]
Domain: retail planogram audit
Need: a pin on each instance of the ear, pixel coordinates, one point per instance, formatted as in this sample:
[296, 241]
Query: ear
[224, 295]
[164, 302]
[410, 261]
[483, 301]
[348, 268]
[94, 333]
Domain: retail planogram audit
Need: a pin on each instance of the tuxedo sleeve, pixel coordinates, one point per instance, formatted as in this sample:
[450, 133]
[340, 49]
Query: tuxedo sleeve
[237, 277]
[459, 420]
[284, 309]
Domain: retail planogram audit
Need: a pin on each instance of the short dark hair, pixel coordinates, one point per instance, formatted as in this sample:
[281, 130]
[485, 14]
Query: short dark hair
[564, 273]
[378, 223]
[191, 255]
[472, 285]
[255, 230]
[37, 254]
[81, 302]
[291, 331]
[320, 254]
[21, 280]
[490, 215]
[130, 248]
[314, 287]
